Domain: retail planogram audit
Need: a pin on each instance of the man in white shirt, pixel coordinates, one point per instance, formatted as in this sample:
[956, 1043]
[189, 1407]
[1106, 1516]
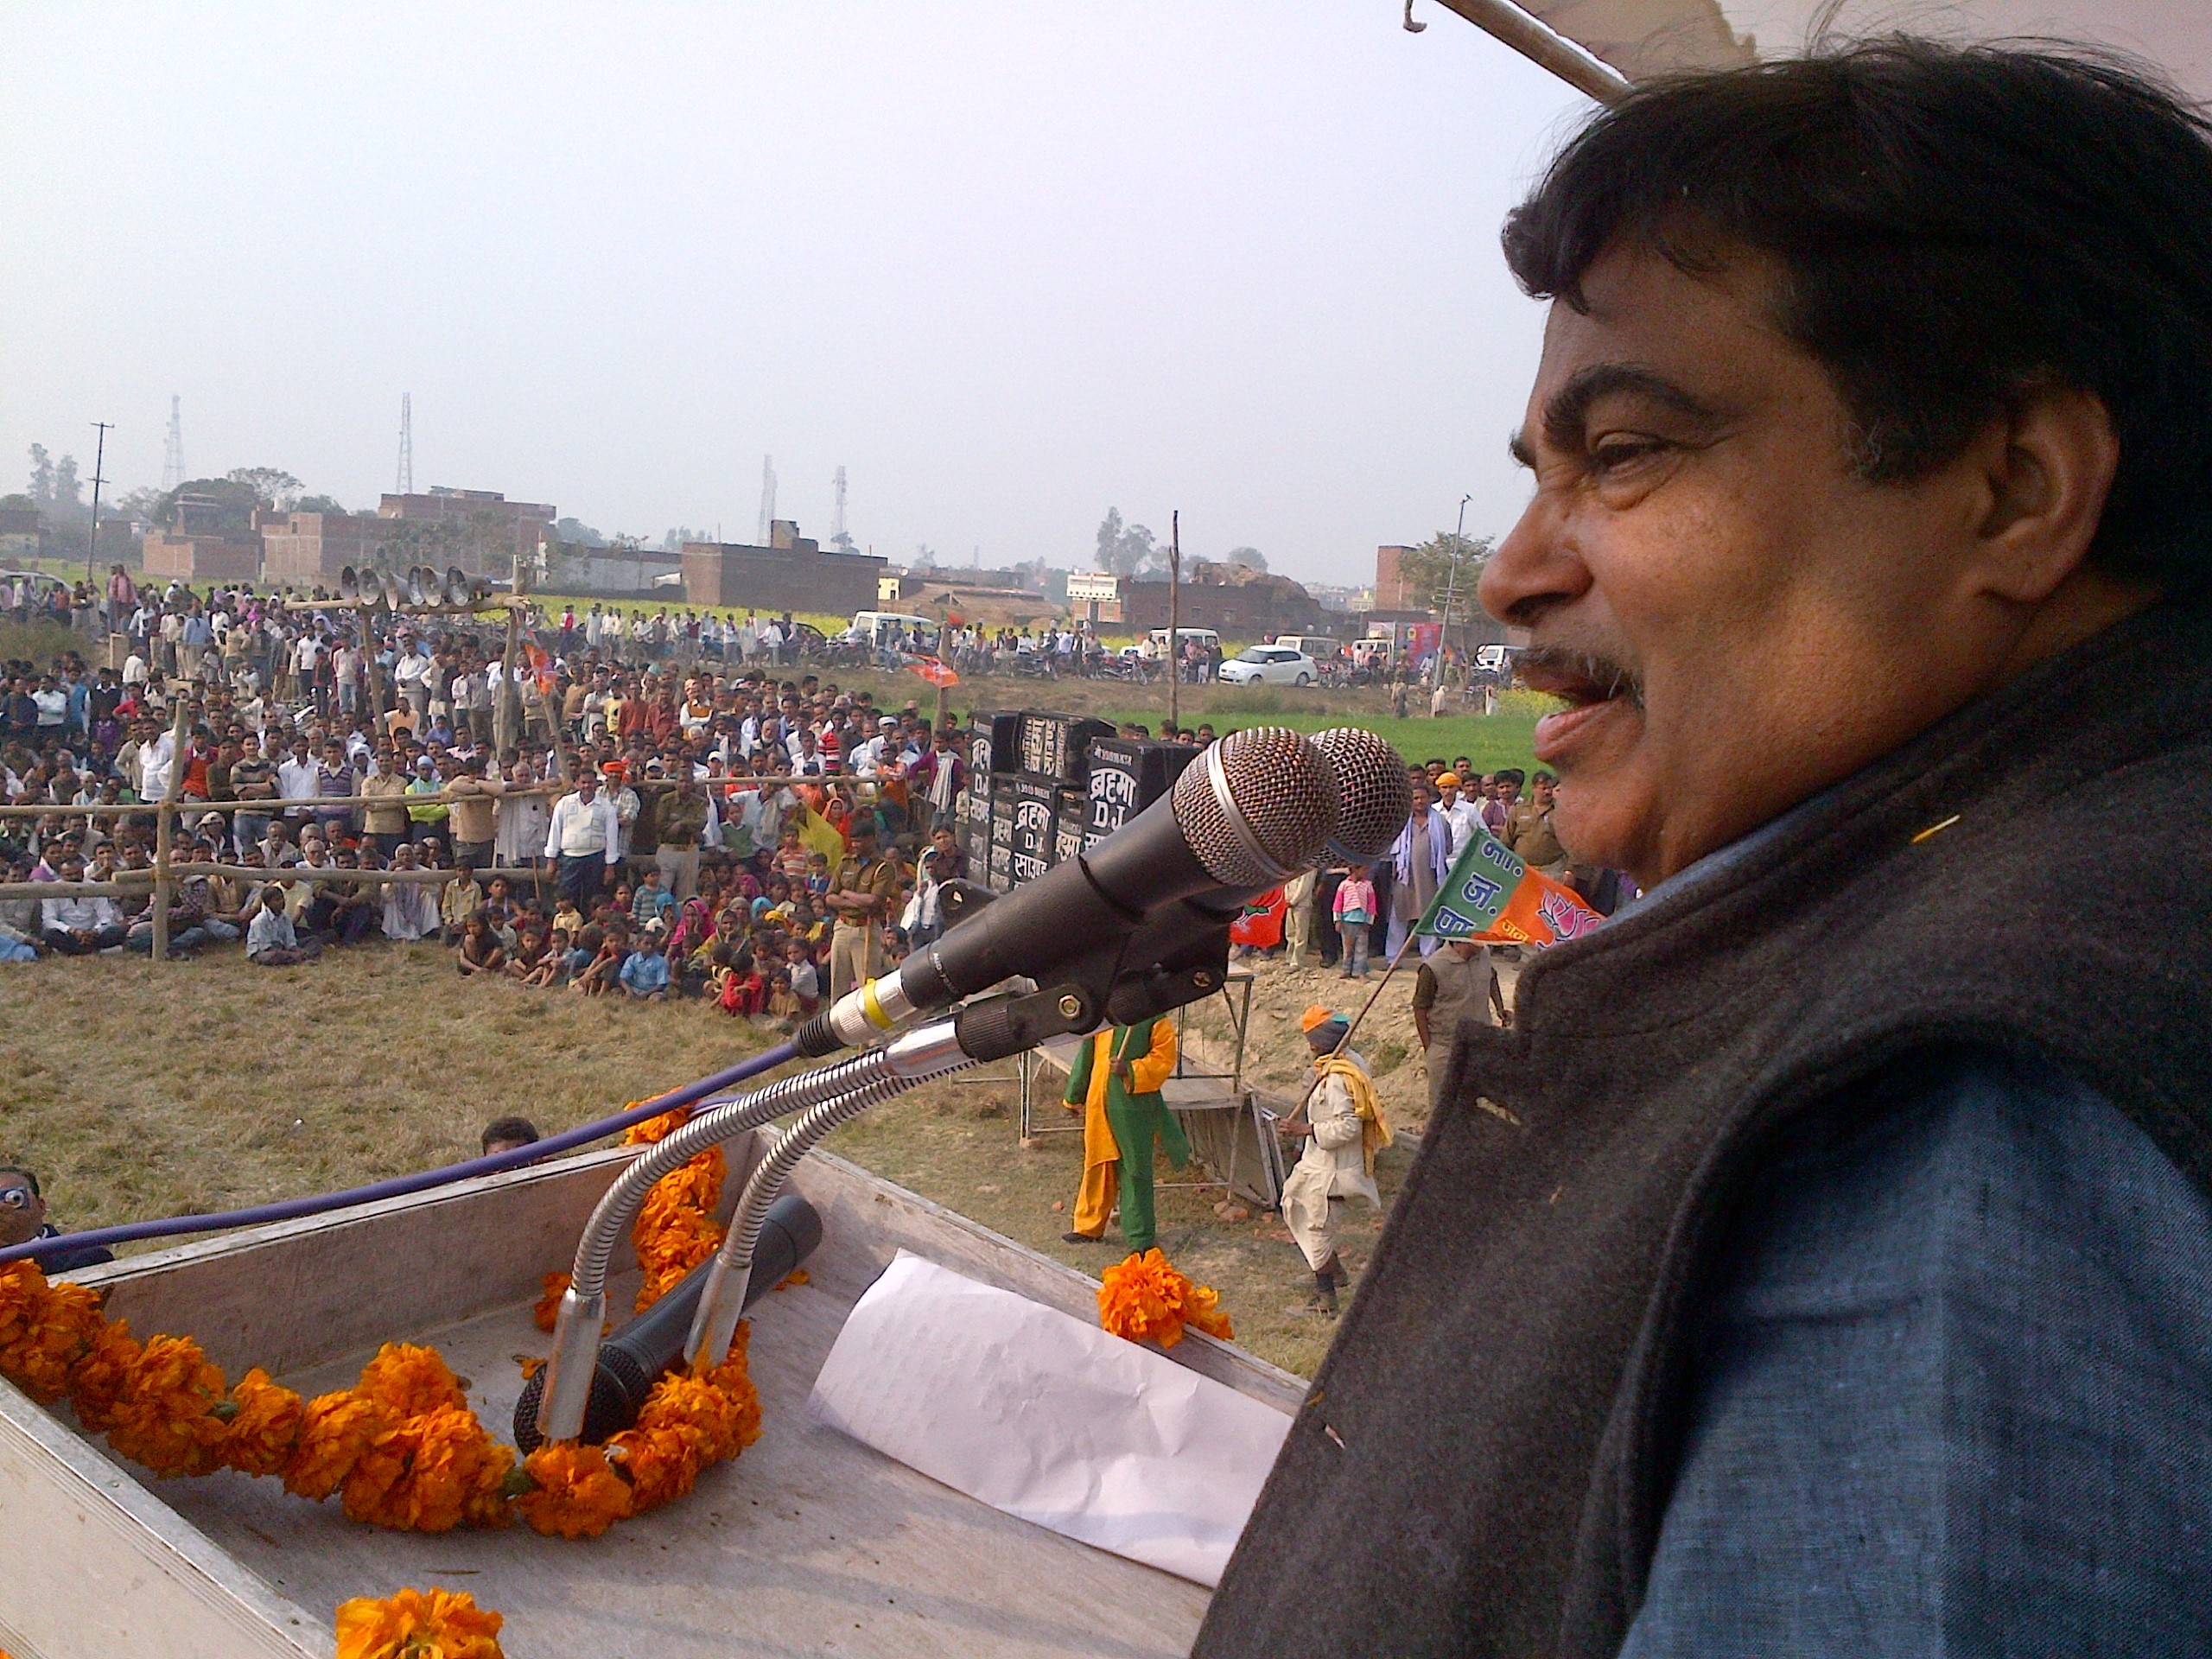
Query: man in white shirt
[78, 927]
[297, 777]
[586, 839]
[157, 756]
[1466, 818]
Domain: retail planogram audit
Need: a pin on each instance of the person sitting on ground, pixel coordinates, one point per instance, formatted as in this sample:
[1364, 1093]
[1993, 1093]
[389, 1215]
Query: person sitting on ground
[480, 951]
[644, 971]
[462, 898]
[652, 902]
[553, 967]
[271, 941]
[410, 911]
[529, 955]
[609, 948]
[23, 1218]
[509, 1135]
[79, 926]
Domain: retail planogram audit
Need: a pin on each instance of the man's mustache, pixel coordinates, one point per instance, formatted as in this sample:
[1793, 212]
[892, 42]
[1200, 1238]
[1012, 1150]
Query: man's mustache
[1580, 676]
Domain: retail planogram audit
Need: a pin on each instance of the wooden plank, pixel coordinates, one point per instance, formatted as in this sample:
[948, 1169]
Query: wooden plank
[96, 1567]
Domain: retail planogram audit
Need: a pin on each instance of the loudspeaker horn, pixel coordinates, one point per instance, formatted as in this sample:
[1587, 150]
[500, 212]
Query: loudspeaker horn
[349, 585]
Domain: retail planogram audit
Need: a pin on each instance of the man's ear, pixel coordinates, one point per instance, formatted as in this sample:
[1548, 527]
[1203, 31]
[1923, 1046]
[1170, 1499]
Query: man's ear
[2048, 467]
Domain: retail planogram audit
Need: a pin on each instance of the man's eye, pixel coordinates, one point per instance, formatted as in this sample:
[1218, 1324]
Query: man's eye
[1611, 456]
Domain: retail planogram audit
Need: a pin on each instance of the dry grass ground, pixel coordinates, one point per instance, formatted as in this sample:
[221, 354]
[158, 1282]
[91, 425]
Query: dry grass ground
[138, 1092]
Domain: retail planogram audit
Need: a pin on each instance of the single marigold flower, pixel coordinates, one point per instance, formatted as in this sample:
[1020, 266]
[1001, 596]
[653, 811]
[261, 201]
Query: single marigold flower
[428, 1474]
[406, 1381]
[418, 1624]
[167, 1416]
[266, 1431]
[1144, 1296]
[575, 1492]
[336, 1431]
[96, 1381]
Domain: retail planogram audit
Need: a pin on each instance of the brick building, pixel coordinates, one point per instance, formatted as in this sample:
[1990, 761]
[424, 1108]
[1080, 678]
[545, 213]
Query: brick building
[307, 548]
[203, 556]
[1389, 582]
[483, 532]
[1241, 605]
[790, 574]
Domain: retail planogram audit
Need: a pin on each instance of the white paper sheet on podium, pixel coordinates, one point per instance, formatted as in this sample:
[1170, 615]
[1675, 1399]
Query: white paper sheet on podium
[1043, 1416]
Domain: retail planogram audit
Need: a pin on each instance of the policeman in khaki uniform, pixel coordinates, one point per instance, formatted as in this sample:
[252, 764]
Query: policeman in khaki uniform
[1459, 982]
[860, 896]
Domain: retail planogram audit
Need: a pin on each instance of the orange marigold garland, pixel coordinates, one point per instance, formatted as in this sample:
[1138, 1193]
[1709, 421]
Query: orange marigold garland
[402, 1444]
[1145, 1296]
[418, 1624]
[44, 1329]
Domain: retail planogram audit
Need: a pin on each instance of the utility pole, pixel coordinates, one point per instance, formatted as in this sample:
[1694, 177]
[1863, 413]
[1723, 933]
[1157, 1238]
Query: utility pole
[99, 459]
[1174, 617]
[403, 482]
[1451, 582]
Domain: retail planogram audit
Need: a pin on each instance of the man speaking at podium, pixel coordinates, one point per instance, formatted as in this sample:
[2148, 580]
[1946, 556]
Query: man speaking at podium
[1828, 1267]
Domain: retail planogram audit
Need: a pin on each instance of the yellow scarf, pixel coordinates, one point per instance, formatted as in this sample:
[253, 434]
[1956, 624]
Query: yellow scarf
[1374, 1128]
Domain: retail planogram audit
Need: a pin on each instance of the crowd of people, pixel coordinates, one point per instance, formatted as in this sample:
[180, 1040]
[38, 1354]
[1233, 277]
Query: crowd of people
[724, 832]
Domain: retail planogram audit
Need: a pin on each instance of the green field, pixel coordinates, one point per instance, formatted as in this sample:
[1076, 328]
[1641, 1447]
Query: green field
[1499, 741]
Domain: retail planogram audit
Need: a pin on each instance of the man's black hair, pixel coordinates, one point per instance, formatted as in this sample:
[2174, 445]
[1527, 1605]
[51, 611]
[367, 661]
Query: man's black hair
[1956, 226]
[510, 1128]
[29, 1176]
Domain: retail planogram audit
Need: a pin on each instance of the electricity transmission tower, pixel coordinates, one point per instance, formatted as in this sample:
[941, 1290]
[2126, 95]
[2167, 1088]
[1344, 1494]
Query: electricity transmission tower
[404, 484]
[838, 538]
[767, 499]
[173, 454]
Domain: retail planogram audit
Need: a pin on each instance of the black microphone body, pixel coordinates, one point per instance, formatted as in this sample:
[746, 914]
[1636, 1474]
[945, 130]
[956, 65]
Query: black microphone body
[631, 1362]
[1147, 863]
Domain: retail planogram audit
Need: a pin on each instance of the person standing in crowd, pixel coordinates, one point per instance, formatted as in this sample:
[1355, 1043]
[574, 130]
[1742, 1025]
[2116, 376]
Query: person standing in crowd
[384, 808]
[1459, 982]
[1115, 1083]
[1420, 862]
[472, 800]
[585, 840]
[1343, 1126]
[1529, 830]
[1353, 907]
[859, 897]
[680, 824]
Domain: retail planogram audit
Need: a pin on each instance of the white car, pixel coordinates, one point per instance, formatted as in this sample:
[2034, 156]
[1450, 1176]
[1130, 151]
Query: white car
[1270, 665]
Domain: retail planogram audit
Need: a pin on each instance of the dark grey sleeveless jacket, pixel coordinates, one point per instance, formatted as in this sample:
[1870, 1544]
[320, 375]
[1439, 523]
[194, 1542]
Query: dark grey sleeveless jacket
[1484, 1460]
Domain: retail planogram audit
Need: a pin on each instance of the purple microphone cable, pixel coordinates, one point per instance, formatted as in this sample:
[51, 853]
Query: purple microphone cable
[400, 1186]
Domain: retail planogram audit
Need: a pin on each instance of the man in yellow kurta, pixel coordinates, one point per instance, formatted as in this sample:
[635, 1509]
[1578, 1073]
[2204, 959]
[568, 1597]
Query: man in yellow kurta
[1115, 1083]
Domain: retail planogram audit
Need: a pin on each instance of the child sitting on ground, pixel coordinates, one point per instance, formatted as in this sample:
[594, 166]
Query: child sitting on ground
[644, 971]
[553, 964]
[805, 978]
[604, 971]
[529, 954]
[479, 952]
[783, 1006]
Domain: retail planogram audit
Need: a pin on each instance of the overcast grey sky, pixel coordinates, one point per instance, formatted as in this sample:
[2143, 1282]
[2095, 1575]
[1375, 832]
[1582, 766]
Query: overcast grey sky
[1009, 264]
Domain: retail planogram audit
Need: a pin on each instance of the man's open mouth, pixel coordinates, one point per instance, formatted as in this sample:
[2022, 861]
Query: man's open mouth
[1577, 678]
[1589, 685]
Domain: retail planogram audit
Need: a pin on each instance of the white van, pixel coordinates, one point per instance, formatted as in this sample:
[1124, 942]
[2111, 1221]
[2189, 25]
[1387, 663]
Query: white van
[1319, 646]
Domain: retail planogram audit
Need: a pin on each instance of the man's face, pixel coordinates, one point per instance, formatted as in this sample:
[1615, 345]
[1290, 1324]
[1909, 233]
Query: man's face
[1735, 618]
[1543, 793]
[23, 1212]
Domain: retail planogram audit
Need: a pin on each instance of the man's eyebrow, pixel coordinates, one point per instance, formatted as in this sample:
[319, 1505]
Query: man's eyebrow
[1568, 407]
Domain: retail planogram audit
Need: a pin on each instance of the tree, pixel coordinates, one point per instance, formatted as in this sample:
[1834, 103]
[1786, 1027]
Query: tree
[270, 484]
[42, 475]
[1124, 551]
[317, 504]
[576, 533]
[1250, 557]
[1444, 566]
[68, 494]
[143, 504]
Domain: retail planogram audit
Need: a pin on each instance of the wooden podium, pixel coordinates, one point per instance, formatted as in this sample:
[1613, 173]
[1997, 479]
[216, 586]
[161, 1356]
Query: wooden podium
[808, 1544]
